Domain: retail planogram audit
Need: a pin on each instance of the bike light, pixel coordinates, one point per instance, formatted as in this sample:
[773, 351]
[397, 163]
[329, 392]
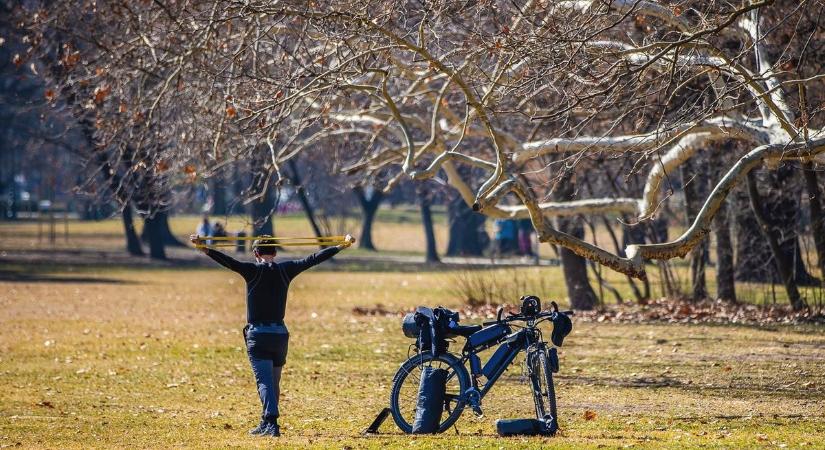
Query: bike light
[530, 306]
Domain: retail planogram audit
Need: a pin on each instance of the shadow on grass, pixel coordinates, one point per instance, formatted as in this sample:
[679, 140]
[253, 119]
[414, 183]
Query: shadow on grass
[741, 389]
[46, 277]
[38, 260]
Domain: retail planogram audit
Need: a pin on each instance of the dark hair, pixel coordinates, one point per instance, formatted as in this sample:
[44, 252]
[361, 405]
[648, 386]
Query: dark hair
[264, 246]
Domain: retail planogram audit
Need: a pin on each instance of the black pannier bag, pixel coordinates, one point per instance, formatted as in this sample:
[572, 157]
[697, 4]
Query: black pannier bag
[488, 337]
[429, 326]
[430, 404]
[522, 427]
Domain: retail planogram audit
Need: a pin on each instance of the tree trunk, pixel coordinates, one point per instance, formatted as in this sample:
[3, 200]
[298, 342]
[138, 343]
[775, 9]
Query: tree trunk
[725, 285]
[631, 235]
[369, 206]
[579, 291]
[468, 236]
[161, 219]
[153, 230]
[640, 299]
[783, 265]
[236, 184]
[132, 241]
[302, 197]
[262, 210]
[754, 258]
[693, 184]
[754, 262]
[817, 216]
[218, 195]
[429, 230]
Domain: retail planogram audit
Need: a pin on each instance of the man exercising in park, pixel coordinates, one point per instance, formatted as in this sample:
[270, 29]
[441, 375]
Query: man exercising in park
[266, 334]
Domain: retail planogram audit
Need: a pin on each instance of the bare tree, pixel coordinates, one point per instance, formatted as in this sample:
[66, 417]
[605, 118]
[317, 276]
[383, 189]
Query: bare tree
[424, 88]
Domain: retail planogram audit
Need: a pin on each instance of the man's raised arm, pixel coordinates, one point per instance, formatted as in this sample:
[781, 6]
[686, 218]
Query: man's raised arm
[245, 269]
[293, 268]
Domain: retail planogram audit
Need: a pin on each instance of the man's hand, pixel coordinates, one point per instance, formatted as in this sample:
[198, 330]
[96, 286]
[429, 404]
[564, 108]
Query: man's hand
[195, 239]
[348, 240]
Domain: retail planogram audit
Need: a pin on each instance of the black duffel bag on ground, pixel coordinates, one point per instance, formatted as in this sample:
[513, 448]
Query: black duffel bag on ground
[430, 403]
[522, 427]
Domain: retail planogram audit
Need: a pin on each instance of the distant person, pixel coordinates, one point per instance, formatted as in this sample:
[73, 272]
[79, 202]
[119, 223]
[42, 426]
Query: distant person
[266, 335]
[218, 230]
[204, 228]
[505, 235]
[525, 237]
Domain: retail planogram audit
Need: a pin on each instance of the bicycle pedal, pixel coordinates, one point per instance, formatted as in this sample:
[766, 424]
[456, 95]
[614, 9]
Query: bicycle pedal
[473, 398]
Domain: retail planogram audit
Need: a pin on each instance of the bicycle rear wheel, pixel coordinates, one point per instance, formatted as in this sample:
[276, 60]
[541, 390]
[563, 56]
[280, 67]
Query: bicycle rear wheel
[544, 393]
[404, 394]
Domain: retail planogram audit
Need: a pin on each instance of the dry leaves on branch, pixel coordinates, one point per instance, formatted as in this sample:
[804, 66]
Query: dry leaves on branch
[71, 59]
[101, 92]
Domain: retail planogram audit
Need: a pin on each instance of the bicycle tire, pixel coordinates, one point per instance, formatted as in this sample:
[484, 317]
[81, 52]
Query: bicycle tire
[544, 392]
[408, 368]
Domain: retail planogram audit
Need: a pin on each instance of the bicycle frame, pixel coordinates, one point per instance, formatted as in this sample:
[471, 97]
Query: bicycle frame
[523, 338]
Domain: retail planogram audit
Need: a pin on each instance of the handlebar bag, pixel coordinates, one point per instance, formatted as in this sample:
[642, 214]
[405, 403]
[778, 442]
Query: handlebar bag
[521, 427]
[430, 404]
[562, 326]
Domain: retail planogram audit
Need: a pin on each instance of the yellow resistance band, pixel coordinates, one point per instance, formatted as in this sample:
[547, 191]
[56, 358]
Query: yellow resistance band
[279, 241]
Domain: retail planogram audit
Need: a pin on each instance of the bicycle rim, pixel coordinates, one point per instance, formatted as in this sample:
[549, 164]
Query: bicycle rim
[404, 394]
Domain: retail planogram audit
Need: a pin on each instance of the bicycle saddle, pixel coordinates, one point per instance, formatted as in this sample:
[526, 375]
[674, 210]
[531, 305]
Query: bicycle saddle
[463, 330]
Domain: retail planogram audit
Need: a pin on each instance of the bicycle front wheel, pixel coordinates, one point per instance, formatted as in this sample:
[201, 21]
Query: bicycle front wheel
[404, 394]
[544, 393]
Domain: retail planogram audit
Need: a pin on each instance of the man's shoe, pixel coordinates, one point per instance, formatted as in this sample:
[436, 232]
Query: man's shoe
[272, 429]
[260, 429]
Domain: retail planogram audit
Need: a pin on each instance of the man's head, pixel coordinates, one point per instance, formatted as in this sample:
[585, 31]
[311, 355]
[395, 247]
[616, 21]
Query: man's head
[264, 248]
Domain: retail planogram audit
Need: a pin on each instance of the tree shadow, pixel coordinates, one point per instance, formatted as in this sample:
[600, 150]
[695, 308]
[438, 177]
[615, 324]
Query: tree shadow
[740, 389]
[44, 277]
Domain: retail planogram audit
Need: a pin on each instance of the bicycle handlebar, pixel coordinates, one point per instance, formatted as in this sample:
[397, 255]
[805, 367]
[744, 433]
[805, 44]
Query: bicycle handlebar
[515, 317]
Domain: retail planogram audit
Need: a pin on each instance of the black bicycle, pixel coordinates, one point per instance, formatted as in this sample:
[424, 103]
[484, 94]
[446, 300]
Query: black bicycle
[468, 388]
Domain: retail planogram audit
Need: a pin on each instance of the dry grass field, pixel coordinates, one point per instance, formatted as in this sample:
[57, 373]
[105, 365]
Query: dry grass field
[115, 354]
